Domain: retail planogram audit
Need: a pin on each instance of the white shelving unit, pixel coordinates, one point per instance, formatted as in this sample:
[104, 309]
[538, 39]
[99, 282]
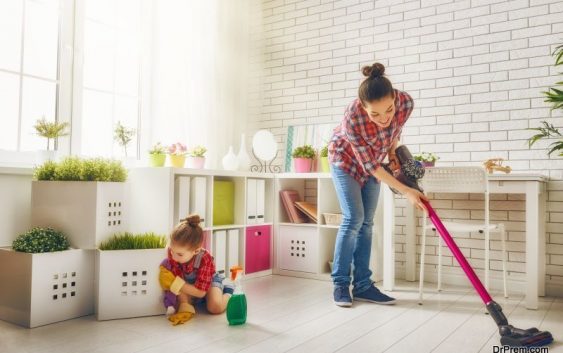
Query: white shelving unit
[162, 196]
[304, 249]
[266, 245]
[317, 188]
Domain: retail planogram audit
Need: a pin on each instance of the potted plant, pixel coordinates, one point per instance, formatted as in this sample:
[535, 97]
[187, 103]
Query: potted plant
[303, 158]
[45, 281]
[548, 131]
[123, 136]
[555, 97]
[51, 130]
[127, 276]
[157, 155]
[428, 159]
[196, 157]
[177, 152]
[84, 198]
[324, 160]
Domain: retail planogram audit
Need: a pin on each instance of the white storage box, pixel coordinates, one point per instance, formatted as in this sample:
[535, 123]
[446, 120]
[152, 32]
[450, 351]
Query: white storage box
[40, 289]
[299, 248]
[333, 219]
[127, 283]
[87, 212]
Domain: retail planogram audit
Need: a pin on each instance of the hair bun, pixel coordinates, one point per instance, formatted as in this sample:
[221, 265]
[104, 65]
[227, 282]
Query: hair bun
[193, 220]
[373, 71]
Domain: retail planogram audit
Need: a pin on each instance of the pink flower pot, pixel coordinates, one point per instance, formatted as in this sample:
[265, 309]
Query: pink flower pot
[302, 165]
[427, 164]
[196, 162]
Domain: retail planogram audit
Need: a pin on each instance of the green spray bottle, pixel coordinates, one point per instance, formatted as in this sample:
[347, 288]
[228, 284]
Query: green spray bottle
[236, 307]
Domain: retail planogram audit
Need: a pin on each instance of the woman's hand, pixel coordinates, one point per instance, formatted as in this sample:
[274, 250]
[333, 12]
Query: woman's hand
[415, 197]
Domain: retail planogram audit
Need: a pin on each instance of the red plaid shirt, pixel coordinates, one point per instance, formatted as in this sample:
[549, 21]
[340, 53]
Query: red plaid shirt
[204, 273]
[358, 146]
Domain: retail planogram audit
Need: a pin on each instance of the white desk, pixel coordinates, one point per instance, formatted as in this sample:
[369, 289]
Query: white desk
[532, 185]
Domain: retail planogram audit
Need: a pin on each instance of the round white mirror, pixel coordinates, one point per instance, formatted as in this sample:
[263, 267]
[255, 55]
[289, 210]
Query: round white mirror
[264, 145]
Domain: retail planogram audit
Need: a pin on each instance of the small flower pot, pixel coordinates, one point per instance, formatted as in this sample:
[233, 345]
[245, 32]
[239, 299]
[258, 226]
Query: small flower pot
[427, 164]
[196, 162]
[324, 165]
[157, 159]
[177, 161]
[302, 165]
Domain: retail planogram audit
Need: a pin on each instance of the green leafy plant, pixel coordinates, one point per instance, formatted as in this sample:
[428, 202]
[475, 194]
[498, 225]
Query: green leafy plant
[426, 157]
[306, 151]
[324, 151]
[51, 130]
[123, 135]
[39, 240]
[157, 149]
[129, 241]
[547, 131]
[555, 95]
[46, 171]
[198, 151]
[76, 169]
[69, 169]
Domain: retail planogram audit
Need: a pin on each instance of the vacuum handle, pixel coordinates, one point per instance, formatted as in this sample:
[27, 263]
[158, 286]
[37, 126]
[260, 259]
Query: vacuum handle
[458, 254]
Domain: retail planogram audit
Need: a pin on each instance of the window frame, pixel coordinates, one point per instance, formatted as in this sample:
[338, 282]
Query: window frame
[63, 83]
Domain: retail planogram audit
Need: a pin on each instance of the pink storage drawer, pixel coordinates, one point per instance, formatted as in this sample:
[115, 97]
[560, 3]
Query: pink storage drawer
[257, 248]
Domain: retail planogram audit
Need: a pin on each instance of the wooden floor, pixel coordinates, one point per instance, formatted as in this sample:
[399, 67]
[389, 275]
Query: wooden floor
[297, 315]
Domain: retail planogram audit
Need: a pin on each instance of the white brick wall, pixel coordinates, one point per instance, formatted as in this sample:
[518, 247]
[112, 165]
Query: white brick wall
[475, 68]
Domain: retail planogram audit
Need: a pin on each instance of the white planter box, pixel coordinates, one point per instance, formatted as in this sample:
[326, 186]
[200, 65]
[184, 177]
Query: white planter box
[86, 212]
[127, 283]
[39, 289]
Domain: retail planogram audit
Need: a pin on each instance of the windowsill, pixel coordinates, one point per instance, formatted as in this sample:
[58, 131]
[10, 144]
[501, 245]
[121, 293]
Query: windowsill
[16, 169]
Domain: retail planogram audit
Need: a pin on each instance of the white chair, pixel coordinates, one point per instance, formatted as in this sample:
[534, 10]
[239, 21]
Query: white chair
[460, 180]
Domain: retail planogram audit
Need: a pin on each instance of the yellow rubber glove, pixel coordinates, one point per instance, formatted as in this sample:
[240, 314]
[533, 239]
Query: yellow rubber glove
[185, 312]
[169, 281]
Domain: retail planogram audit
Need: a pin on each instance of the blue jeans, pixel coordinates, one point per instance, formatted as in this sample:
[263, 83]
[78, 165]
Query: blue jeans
[353, 241]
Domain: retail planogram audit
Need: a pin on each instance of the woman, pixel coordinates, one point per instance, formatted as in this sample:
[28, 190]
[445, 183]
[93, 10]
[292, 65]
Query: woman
[368, 133]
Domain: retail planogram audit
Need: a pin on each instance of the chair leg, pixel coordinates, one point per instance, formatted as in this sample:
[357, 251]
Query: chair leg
[422, 253]
[439, 262]
[487, 258]
[504, 259]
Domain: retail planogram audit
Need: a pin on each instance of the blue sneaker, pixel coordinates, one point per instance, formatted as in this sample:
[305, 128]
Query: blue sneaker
[342, 296]
[373, 295]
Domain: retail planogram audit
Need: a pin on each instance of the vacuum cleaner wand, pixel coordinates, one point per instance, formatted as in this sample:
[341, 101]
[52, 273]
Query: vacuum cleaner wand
[509, 335]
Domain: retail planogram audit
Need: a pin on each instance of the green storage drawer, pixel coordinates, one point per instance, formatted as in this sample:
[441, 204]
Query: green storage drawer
[223, 202]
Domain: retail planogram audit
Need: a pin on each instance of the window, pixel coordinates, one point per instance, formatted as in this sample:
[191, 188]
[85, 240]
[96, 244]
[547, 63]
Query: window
[29, 72]
[110, 90]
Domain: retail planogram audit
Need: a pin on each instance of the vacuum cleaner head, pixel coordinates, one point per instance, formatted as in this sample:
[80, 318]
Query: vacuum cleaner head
[532, 337]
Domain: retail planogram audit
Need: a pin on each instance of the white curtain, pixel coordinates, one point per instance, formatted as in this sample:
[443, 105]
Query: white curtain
[200, 65]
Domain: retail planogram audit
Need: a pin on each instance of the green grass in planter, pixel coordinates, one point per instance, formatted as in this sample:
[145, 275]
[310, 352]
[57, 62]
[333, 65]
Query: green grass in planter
[129, 241]
[40, 240]
[45, 171]
[77, 169]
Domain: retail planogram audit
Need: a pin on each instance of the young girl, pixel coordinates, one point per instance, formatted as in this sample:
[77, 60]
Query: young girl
[188, 274]
[368, 133]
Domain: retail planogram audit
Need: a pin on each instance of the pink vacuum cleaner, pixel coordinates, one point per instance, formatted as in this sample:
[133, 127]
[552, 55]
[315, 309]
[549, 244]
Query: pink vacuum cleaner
[409, 174]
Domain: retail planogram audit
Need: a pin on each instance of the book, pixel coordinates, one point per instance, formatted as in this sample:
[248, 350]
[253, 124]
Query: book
[308, 208]
[289, 197]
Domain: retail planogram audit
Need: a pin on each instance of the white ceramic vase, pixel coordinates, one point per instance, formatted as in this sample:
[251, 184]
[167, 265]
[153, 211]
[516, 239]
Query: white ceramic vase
[243, 157]
[230, 160]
